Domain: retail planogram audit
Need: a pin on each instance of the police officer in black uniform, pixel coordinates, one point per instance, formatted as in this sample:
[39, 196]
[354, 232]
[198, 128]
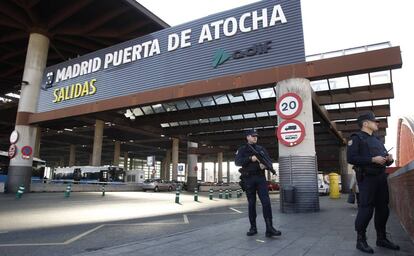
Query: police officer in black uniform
[370, 158]
[255, 182]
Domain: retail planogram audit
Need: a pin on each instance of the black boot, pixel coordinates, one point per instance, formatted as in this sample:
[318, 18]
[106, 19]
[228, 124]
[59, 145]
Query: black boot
[270, 230]
[253, 230]
[362, 244]
[382, 241]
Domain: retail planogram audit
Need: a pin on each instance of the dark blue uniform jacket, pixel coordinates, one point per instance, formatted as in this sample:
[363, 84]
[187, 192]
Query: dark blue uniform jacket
[362, 148]
[243, 155]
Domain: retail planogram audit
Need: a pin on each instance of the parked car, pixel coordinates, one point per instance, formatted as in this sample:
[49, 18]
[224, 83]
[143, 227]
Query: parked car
[323, 186]
[272, 186]
[157, 185]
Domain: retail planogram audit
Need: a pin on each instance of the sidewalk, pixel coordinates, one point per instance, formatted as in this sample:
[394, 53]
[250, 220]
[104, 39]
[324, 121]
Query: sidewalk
[328, 232]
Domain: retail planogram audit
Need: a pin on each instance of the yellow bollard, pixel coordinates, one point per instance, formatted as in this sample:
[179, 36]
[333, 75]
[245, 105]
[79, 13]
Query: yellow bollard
[334, 186]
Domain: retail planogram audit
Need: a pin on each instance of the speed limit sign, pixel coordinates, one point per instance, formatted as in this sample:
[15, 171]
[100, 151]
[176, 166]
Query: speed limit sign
[289, 105]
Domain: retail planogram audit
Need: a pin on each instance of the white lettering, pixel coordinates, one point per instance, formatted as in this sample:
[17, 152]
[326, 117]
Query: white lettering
[233, 26]
[243, 28]
[136, 52]
[185, 37]
[173, 42]
[155, 47]
[145, 46]
[216, 26]
[262, 18]
[60, 75]
[96, 64]
[84, 68]
[205, 34]
[277, 15]
[127, 55]
[76, 70]
[108, 59]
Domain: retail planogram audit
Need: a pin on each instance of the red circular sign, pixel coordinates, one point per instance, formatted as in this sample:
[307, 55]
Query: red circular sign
[26, 151]
[291, 132]
[289, 105]
[12, 151]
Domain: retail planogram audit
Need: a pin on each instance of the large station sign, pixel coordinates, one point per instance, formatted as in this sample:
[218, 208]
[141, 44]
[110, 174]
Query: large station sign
[256, 36]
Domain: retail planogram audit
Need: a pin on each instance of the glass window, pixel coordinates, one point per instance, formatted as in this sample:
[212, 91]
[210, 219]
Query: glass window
[250, 115]
[158, 108]
[164, 125]
[214, 119]
[381, 77]
[331, 106]
[320, 85]
[237, 117]
[207, 101]
[221, 99]
[347, 105]
[194, 103]
[380, 102]
[338, 83]
[173, 124]
[181, 105]
[138, 112]
[225, 118]
[170, 107]
[267, 93]
[251, 95]
[262, 114]
[359, 80]
[234, 99]
[364, 104]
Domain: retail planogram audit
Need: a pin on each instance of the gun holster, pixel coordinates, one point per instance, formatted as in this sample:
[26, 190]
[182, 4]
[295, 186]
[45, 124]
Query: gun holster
[242, 181]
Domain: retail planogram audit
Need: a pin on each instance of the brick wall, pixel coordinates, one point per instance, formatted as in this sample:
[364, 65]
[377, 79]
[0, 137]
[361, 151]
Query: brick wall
[406, 148]
[401, 185]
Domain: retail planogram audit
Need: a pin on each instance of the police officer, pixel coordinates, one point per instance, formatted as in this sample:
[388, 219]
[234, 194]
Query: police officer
[369, 157]
[255, 182]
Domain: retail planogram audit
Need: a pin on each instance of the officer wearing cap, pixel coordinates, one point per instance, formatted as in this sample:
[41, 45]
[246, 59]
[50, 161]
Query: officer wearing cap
[255, 182]
[370, 158]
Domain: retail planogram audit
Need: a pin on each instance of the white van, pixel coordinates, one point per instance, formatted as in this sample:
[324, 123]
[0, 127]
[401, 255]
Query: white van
[323, 186]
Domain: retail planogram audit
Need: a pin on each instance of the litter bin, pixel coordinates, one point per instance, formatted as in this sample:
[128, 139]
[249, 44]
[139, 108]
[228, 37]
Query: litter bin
[334, 186]
[288, 194]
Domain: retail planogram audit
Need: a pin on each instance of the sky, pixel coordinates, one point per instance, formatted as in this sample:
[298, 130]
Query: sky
[330, 25]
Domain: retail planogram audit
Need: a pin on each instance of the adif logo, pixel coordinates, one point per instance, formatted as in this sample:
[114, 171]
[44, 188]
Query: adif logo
[49, 79]
[221, 56]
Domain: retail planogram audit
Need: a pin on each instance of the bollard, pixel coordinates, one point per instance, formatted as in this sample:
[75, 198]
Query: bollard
[68, 190]
[230, 193]
[238, 193]
[20, 192]
[103, 190]
[196, 195]
[210, 194]
[177, 196]
[221, 194]
[226, 194]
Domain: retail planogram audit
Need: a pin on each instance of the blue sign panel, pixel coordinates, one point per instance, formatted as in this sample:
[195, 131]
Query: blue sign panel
[256, 36]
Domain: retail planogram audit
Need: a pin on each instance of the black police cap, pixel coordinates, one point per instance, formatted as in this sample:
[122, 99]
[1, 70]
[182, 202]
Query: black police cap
[252, 132]
[366, 116]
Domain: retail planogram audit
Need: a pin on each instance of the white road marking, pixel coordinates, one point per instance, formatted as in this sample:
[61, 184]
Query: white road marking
[82, 235]
[186, 219]
[260, 241]
[231, 208]
[4, 232]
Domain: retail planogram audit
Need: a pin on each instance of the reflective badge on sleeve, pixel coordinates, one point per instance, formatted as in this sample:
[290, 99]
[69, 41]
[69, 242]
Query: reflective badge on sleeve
[350, 143]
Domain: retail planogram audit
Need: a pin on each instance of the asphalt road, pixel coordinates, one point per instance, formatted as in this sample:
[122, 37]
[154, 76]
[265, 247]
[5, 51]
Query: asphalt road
[50, 224]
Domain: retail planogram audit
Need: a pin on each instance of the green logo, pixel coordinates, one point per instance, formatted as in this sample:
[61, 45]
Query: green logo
[220, 57]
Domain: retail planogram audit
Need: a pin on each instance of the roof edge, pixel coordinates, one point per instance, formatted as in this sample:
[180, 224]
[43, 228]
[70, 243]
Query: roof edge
[148, 13]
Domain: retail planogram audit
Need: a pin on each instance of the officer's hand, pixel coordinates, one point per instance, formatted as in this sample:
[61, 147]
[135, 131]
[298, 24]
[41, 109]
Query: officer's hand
[262, 166]
[379, 160]
[389, 158]
[273, 172]
[253, 158]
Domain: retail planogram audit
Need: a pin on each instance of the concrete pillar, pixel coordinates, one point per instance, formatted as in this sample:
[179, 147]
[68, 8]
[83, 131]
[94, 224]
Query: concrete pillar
[203, 171]
[228, 171]
[97, 143]
[215, 172]
[192, 160]
[125, 161]
[20, 170]
[220, 166]
[167, 163]
[174, 153]
[72, 155]
[131, 163]
[297, 164]
[117, 153]
[344, 170]
[36, 150]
